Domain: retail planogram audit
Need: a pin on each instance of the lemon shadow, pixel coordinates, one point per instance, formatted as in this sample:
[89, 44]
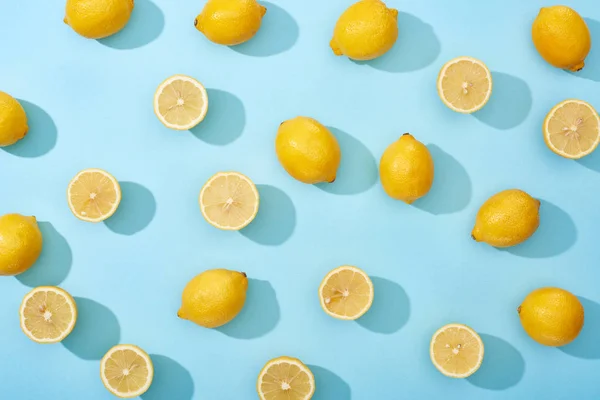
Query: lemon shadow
[503, 365]
[357, 172]
[171, 380]
[224, 121]
[145, 25]
[278, 33]
[54, 264]
[390, 310]
[586, 345]
[41, 136]
[135, 212]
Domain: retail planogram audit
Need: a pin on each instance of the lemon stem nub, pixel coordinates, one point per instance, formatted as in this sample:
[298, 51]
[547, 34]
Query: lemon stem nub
[243, 273]
[196, 22]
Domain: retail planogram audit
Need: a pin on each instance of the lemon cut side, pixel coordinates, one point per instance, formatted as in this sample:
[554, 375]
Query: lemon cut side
[48, 314]
[180, 102]
[464, 84]
[456, 351]
[229, 201]
[126, 371]
[572, 129]
[285, 378]
[346, 293]
[93, 195]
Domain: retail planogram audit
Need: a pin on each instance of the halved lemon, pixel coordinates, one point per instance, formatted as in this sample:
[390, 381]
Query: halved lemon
[572, 129]
[285, 378]
[346, 293]
[464, 84]
[180, 102]
[93, 195]
[48, 314]
[456, 350]
[229, 201]
[126, 371]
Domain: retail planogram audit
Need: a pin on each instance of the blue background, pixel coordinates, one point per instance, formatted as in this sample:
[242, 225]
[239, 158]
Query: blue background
[90, 105]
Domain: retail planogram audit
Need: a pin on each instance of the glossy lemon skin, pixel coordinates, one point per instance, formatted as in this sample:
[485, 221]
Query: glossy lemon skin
[20, 243]
[561, 37]
[406, 169]
[507, 219]
[214, 298]
[230, 22]
[307, 150]
[97, 19]
[13, 120]
[551, 316]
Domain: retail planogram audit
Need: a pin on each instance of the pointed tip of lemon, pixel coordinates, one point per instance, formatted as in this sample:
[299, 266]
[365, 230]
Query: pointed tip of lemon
[394, 13]
[263, 11]
[335, 48]
[577, 67]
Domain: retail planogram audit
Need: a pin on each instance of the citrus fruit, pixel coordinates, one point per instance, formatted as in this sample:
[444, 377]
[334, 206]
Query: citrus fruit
[20, 243]
[97, 19]
[456, 350]
[126, 371]
[307, 150]
[406, 169]
[561, 37]
[346, 293]
[180, 102]
[366, 30]
[230, 22]
[507, 219]
[551, 316]
[214, 298]
[464, 84]
[572, 129]
[285, 378]
[93, 195]
[229, 201]
[13, 120]
[48, 314]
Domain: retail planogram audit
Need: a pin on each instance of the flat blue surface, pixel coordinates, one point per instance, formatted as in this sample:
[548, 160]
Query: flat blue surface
[90, 105]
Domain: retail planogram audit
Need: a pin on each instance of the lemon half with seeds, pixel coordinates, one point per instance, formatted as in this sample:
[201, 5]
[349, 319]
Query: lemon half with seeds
[126, 371]
[229, 201]
[346, 293]
[93, 195]
[456, 350]
[572, 129]
[48, 314]
[180, 102]
[464, 84]
[285, 378]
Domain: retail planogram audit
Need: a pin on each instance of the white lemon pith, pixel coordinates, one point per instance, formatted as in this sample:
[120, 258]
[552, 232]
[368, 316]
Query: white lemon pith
[180, 102]
[456, 350]
[229, 201]
[346, 293]
[464, 84]
[572, 129]
[93, 195]
[126, 371]
[48, 314]
[285, 378]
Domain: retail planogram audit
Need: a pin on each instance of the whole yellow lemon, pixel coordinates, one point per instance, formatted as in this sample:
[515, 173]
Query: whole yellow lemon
[230, 22]
[406, 169]
[366, 30]
[20, 243]
[551, 316]
[13, 120]
[561, 37]
[507, 218]
[97, 19]
[307, 150]
[214, 297]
